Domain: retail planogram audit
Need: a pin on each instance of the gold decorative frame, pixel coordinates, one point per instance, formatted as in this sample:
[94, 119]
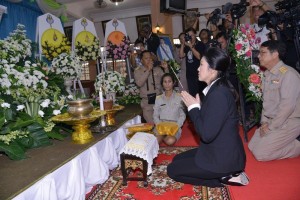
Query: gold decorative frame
[188, 22]
[143, 20]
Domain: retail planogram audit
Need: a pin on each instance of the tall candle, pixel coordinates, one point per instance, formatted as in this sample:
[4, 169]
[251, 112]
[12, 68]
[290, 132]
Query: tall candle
[101, 99]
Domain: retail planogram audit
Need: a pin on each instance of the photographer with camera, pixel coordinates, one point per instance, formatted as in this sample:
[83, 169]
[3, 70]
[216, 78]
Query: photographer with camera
[192, 50]
[147, 77]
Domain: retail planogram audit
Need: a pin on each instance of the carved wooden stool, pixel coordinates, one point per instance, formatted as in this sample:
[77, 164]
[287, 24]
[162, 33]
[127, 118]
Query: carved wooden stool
[138, 154]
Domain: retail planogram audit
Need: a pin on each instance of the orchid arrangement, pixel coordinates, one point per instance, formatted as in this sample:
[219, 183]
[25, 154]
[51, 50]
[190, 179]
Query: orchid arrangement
[67, 65]
[110, 81]
[250, 76]
[90, 52]
[120, 51]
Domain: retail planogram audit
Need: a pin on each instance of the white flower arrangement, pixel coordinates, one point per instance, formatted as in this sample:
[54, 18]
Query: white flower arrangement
[67, 65]
[110, 81]
[26, 97]
[90, 52]
[22, 82]
[16, 47]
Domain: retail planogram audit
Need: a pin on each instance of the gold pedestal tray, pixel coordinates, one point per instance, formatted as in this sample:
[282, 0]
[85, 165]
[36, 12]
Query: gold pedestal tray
[82, 134]
[110, 114]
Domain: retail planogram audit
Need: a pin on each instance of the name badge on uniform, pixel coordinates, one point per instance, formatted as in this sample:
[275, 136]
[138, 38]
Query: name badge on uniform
[276, 81]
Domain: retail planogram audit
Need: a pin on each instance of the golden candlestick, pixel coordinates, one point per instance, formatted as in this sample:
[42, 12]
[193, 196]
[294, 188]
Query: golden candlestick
[110, 114]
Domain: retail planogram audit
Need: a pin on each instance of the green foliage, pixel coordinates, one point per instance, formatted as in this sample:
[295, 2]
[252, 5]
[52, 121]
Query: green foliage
[128, 99]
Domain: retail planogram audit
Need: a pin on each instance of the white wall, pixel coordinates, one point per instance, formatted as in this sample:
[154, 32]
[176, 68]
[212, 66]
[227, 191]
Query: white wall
[128, 16]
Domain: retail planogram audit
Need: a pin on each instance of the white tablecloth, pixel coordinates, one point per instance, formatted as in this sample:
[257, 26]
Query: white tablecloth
[142, 145]
[77, 177]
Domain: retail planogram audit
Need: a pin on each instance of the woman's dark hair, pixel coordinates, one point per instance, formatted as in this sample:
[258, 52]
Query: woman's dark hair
[219, 60]
[167, 75]
[182, 33]
[207, 31]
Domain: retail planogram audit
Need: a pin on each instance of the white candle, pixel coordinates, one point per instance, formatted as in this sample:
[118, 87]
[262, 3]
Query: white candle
[101, 99]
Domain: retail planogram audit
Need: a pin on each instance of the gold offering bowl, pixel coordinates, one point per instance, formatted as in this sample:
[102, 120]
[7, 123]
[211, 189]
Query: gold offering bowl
[110, 114]
[82, 134]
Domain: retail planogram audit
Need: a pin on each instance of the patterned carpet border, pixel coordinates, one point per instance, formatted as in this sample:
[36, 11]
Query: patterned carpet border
[160, 186]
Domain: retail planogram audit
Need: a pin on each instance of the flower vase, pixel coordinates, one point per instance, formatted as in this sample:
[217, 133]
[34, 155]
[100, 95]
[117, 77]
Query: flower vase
[112, 96]
[68, 84]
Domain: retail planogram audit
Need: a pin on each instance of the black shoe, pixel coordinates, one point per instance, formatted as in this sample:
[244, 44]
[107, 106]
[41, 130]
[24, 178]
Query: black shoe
[237, 179]
[298, 138]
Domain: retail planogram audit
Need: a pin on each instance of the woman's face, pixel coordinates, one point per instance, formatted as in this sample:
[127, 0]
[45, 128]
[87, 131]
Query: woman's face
[205, 73]
[168, 83]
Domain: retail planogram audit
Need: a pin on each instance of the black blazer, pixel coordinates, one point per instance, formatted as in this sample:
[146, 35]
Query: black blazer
[221, 149]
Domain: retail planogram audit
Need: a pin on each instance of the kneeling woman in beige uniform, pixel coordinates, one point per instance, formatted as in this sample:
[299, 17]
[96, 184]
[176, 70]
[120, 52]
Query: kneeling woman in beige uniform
[169, 107]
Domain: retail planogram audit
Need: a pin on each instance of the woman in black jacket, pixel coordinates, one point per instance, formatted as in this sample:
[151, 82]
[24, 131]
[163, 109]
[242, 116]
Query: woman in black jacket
[220, 158]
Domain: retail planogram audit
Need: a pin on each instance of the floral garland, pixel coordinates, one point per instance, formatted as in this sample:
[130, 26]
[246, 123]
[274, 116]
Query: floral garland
[131, 95]
[52, 52]
[120, 51]
[90, 52]
[250, 75]
[110, 81]
[67, 65]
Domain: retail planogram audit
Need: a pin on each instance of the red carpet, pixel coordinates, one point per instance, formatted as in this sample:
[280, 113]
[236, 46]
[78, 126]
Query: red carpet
[273, 180]
[160, 186]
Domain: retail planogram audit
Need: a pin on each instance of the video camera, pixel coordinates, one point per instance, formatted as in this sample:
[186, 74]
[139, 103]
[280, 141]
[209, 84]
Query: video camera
[284, 5]
[216, 15]
[239, 9]
[289, 16]
[236, 11]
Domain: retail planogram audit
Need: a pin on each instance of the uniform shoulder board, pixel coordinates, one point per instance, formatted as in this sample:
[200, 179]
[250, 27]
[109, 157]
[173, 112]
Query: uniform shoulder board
[138, 67]
[158, 96]
[283, 69]
[178, 94]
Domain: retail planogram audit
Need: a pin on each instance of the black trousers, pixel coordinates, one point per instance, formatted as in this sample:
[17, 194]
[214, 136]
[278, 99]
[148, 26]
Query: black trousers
[184, 169]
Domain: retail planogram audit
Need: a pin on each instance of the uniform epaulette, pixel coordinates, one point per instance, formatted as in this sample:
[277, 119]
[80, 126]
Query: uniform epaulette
[178, 94]
[159, 96]
[283, 69]
[138, 67]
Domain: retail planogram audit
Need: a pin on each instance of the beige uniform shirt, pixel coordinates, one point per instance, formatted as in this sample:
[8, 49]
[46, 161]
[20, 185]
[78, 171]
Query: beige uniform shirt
[169, 109]
[281, 95]
[142, 76]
